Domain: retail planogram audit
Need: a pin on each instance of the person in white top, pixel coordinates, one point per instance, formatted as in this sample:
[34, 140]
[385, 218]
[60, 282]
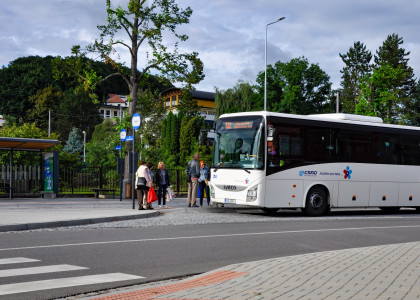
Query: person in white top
[143, 183]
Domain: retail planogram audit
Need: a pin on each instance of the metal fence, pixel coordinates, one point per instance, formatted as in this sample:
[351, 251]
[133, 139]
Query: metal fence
[77, 181]
[26, 179]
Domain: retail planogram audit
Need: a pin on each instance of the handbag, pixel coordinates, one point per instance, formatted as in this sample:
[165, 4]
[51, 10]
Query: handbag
[188, 177]
[141, 183]
[151, 195]
[170, 193]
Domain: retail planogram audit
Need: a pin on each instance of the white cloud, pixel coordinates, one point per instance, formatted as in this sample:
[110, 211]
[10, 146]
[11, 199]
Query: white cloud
[228, 35]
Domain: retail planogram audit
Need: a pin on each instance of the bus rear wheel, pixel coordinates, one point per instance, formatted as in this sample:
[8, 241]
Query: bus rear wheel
[316, 202]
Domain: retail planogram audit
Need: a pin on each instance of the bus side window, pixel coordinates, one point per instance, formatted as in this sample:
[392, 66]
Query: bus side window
[286, 147]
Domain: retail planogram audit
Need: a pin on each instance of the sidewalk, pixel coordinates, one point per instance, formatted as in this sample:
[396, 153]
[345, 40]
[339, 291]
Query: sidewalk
[35, 213]
[380, 272]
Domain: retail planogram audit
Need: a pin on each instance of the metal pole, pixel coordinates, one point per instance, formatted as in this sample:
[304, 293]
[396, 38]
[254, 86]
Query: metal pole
[49, 122]
[337, 109]
[265, 72]
[121, 178]
[134, 171]
[11, 175]
[265, 61]
[84, 146]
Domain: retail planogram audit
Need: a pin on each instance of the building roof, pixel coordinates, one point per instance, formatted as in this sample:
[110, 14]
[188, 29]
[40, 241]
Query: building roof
[203, 95]
[195, 94]
[113, 98]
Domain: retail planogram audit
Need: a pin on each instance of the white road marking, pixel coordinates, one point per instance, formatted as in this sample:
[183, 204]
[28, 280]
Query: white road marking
[39, 270]
[210, 236]
[16, 260]
[23, 287]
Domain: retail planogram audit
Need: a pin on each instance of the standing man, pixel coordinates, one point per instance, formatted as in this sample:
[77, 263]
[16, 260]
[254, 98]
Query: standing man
[193, 172]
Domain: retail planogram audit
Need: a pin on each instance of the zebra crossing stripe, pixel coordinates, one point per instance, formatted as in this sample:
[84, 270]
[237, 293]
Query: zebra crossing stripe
[39, 270]
[23, 287]
[16, 260]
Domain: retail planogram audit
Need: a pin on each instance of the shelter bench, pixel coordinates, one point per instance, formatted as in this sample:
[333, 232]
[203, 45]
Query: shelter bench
[98, 190]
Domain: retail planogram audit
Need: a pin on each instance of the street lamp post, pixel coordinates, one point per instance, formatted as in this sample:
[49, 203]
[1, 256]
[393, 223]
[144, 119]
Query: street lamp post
[265, 75]
[84, 146]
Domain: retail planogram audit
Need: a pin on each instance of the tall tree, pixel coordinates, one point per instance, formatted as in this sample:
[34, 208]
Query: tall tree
[388, 91]
[74, 143]
[242, 97]
[143, 23]
[296, 87]
[413, 108]
[378, 95]
[357, 65]
[392, 54]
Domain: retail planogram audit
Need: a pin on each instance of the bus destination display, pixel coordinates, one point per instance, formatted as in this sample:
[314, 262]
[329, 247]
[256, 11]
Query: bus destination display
[238, 125]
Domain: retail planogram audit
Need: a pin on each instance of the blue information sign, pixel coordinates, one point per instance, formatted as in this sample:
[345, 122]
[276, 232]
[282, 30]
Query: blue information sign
[123, 134]
[136, 121]
[129, 138]
[117, 147]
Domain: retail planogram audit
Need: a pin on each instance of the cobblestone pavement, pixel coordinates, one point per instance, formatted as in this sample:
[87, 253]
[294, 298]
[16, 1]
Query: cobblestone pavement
[379, 272]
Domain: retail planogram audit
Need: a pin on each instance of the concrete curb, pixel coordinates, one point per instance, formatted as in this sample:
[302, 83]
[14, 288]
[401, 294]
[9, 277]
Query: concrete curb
[76, 222]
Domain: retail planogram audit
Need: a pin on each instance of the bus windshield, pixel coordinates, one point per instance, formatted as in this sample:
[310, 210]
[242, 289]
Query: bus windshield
[239, 143]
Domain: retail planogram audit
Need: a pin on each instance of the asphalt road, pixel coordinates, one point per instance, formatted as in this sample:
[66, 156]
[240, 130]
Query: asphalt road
[161, 252]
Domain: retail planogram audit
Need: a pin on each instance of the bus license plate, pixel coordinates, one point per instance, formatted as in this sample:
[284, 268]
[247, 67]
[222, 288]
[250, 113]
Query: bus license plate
[231, 201]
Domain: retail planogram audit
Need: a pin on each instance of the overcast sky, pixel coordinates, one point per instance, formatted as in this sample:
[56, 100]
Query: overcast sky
[229, 35]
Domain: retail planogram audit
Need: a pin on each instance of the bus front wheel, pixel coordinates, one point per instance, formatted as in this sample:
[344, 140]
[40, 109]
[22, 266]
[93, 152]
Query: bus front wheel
[316, 202]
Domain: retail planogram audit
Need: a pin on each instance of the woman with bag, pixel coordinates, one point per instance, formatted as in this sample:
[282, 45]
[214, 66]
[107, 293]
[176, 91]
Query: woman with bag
[143, 183]
[161, 179]
[203, 183]
[149, 184]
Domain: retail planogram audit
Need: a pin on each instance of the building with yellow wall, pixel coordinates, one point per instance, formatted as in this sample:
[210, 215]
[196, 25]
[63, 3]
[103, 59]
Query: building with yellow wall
[205, 102]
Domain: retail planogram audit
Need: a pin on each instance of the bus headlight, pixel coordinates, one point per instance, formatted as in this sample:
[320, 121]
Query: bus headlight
[212, 194]
[252, 194]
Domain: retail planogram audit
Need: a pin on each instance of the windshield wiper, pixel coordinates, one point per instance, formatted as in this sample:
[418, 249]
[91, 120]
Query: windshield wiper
[249, 172]
[244, 169]
[218, 166]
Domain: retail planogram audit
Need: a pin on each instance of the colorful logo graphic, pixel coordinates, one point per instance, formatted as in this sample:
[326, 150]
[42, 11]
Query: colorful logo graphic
[347, 173]
[247, 181]
[301, 173]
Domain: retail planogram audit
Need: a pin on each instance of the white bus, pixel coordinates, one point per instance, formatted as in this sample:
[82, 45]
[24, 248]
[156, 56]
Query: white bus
[316, 162]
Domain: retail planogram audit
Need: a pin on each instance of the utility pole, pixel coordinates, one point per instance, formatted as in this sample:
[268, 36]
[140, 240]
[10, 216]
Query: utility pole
[49, 123]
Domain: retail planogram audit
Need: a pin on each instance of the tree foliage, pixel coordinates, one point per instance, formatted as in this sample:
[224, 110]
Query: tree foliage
[44, 101]
[74, 144]
[357, 66]
[378, 97]
[143, 24]
[100, 150]
[242, 97]
[388, 91]
[296, 87]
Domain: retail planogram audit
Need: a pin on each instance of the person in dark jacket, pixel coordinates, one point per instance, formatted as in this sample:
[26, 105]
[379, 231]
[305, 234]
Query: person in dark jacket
[161, 180]
[193, 172]
[203, 183]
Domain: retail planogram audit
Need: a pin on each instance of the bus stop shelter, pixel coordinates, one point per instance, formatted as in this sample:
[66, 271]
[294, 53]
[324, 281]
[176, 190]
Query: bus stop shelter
[12, 144]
